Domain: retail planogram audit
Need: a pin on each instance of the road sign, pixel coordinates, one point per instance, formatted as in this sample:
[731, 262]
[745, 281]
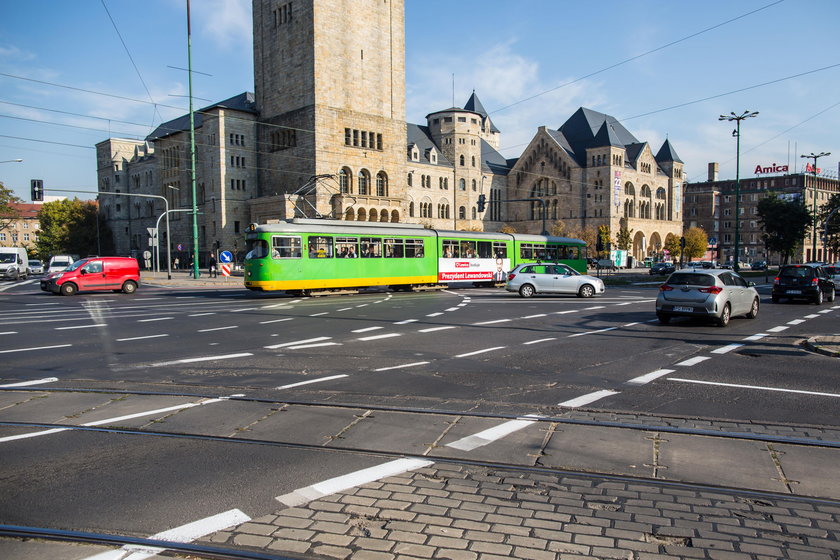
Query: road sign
[713, 241]
[180, 246]
[226, 270]
[152, 232]
[225, 257]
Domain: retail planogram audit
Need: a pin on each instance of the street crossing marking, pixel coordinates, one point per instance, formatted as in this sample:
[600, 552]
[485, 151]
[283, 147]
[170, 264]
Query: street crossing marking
[587, 399]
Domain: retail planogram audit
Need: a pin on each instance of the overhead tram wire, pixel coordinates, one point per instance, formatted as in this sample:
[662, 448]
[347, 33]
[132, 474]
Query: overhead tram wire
[638, 56]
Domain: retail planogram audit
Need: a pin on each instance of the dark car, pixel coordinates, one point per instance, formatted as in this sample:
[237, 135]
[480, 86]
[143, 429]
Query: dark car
[662, 268]
[759, 265]
[803, 281]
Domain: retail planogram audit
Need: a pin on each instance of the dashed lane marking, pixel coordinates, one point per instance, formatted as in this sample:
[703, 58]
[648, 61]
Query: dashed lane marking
[219, 328]
[402, 366]
[587, 399]
[479, 352]
[81, 327]
[141, 337]
[275, 321]
[539, 340]
[489, 435]
[778, 329]
[648, 377]
[33, 382]
[311, 381]
[727, 348]
[433, 329]
[694, 361]
[368, 329]
[305, 341]
[35, 348]
[378, 337]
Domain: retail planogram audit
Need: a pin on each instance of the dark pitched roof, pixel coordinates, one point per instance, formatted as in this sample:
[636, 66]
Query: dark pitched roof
[667, 153]
[421, 137]
[633, 151]
[583, 126]
[473, 104]
[492, 161]
[242, 102]
[607, 137]
[561, 140]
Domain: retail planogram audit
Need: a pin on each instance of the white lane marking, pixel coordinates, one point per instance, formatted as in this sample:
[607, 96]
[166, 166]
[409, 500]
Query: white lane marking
[694, 361]
[825, 311]
[275, 306]
[33, 382]
[28, 304]
[758, 336]
[304, 341]
[201, 359]
[727, 348]
[319, 380]
[490, 435]
[141, 299]
[199, 314]
[319, 314]
[587, 399]
[243, 309]
[368, 329]
[593, 332]
[539, 340]
[594, 307]
[631, 324]
[648, 377]
[492, 322]
[812, 316]
[626, 303]
[315, 345]
[433, 314]
[565, 312]
[757, 387]
[141, 337]
[305, 495]
[433, 329]
[535, 316]
[81, 327]
[35, 348]
[479, 352]
[796, 322]
[183, 534]
[219, 328]
[407, 321]
[362, 305]
[155, 319]
[378, 336]
[344, 309]
[275, 321]
[112, 420]
[452, 309]
[777, 329]
[462, 305]
[401, 366]
[9, 332]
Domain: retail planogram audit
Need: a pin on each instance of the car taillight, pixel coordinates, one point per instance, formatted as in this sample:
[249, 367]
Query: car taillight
[815, 281]
[711, 290]
[511, 276]
[665, 288]
[776, 280]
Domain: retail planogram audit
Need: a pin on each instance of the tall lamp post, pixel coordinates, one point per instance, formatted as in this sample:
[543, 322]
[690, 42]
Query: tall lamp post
[815, 157]
[737, 134]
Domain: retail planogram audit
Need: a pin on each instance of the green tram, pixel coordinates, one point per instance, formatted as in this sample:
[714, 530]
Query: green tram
[307, 255]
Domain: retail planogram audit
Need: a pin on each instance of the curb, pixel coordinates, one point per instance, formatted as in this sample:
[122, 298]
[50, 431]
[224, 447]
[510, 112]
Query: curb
[814, 345]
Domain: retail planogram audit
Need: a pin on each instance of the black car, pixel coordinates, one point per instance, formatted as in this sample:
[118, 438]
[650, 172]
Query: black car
[662, 268]
[759, 265]
[803, 281]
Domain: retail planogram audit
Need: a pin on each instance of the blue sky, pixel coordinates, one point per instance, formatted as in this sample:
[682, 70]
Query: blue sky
[528, 61]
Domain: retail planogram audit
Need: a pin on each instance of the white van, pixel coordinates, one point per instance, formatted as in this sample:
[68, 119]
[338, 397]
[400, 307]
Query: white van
[60, 262]
[14, 263]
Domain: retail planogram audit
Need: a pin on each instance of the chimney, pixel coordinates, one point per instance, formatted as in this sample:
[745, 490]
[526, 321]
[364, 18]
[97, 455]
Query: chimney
[713, 171]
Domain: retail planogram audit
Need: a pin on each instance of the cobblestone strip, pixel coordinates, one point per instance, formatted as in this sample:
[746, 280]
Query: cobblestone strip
[474, 513]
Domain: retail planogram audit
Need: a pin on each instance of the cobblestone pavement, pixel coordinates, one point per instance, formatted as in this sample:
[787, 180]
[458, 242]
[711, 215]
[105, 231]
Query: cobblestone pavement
[457, 512]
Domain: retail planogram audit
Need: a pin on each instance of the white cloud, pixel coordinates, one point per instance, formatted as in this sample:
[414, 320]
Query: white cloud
[226, 21]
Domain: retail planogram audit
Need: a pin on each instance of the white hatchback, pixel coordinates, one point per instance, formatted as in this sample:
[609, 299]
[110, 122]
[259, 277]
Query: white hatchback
[536, 278]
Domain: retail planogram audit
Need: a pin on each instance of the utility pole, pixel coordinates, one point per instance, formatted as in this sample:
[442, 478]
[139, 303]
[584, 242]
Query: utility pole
[815, 157]
[192, 151]
[737, 134]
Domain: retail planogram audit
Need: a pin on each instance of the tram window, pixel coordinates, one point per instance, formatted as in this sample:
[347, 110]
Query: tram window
[451, 249]
[468, 249]
[572, 252]
[257, 249]
[414, 248]
[320, 247]
[394, 248]
[485, 250]
[372, 247]
[499, 250]
[527, 252]
[554, 252]
[347, 247]
[285, 247]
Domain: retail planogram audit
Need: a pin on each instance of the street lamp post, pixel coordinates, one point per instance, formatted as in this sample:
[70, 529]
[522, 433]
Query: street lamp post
[815, 157]
[737, 134]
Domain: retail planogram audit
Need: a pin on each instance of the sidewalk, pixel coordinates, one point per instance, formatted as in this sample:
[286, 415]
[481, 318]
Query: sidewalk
[183, 279]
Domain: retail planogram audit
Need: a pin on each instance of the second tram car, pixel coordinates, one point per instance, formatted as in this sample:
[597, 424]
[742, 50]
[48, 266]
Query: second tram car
[308, 255]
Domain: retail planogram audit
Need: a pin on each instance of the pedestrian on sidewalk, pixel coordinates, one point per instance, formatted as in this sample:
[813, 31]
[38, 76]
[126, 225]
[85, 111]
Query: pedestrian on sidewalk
[212, 267]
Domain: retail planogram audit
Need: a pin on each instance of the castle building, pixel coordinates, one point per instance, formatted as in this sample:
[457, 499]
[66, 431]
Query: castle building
[325, 135]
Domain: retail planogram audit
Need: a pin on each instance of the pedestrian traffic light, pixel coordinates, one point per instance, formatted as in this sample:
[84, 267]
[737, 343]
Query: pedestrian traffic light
[482, 202]
[682, 242]
[37, 190]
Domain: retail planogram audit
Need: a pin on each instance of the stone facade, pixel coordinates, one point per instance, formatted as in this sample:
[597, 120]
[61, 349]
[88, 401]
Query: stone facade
[20, 228]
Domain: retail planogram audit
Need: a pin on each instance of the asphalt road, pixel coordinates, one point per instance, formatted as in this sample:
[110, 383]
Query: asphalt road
[169, 360]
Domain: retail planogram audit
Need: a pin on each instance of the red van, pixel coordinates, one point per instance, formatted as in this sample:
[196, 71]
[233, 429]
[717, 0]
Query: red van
[120, 274]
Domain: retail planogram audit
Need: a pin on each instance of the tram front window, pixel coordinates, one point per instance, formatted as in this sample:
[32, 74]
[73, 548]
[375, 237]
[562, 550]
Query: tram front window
[257, 249]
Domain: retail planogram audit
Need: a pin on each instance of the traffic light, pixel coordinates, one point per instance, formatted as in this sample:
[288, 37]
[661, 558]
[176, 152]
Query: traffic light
[682, 242]
[482, 202]
[37, 190]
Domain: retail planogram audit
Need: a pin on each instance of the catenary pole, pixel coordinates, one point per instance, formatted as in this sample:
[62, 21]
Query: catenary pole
[192, 152]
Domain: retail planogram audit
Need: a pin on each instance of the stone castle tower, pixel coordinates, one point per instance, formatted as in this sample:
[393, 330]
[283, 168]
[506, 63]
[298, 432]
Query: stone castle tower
[329, 82]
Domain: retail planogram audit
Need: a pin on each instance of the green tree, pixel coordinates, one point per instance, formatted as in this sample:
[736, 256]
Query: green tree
[672, 245]
[832, 242]
[785, 223]
[8, 213]
[70, 227]
[605, 237]
[624, 239]
[696, 243]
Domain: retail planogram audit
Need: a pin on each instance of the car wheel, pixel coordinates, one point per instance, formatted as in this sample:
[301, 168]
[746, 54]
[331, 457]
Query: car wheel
[663, 319]
[68, 289]
[526, 290]
[129, 287]
[725, 315]
[818, 299]
[586, 291]
[753, 310]
[831, 295]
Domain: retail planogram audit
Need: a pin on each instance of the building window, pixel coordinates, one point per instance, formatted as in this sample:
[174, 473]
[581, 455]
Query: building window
[364, 182]
[282, 14]
[462, 185]
[461, 159]
[381, 184]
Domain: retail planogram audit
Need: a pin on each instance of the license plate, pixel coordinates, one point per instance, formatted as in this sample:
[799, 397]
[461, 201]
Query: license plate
[684, 309]
[794, 291]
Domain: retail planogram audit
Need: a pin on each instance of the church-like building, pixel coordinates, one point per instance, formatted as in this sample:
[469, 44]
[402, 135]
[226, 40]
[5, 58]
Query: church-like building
[324, 135]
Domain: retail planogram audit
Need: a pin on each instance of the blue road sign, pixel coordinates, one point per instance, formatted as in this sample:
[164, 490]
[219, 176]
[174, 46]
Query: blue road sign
[225, 257]
[713, 241]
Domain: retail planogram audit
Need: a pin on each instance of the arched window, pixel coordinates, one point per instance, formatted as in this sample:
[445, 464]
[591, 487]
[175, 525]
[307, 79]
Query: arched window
[410, 175]
[383, 216]
[660, 193]
[461, 159]
[364, 182]
[473, 161]
[462, 213]
[373, 215]
[381, 184]
[344, 181]
[473, 185]
[411, 209]
[473, 212]
[349, 215]
[462, 185]
[361, 216]
[629, 189]
[395, 217]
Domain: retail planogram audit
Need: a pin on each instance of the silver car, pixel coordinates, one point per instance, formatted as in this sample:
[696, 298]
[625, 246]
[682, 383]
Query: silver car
[715, 294]
[537, 278]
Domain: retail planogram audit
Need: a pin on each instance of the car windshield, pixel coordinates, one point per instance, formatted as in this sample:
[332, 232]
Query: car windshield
[832, 270]
[681, 279]
[7, 258]
[35, 263]
[73, 266]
